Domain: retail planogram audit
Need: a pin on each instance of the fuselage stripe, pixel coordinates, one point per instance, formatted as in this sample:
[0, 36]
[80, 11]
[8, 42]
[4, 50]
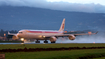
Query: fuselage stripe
[43, 32]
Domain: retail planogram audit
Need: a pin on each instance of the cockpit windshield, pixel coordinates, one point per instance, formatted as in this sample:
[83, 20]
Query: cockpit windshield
[20, 32]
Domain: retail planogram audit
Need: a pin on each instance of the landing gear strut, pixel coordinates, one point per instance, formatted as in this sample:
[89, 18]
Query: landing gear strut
[45, 41]
[37, 41]
[53, 42]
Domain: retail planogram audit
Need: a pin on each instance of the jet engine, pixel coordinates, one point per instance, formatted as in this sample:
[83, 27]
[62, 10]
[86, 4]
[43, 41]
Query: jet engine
[72, 37]
[53, 39]
[14, 37]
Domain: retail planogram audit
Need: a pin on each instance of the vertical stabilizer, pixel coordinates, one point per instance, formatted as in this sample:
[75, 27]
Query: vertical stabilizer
[62, 25]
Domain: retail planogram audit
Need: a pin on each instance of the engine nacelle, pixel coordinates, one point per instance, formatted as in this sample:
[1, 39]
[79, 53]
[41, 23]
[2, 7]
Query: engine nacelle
[53, 39]
[72, 37]
[14, 37]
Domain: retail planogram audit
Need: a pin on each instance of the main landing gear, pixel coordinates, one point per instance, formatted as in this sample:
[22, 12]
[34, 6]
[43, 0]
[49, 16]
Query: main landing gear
[45, 41]
[53, 42]
[37, 41]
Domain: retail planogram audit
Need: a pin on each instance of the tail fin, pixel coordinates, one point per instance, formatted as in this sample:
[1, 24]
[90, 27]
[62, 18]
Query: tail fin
[62, 25]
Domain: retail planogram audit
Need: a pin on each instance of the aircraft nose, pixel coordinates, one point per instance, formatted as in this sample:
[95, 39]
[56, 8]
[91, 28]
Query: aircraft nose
[18, 35]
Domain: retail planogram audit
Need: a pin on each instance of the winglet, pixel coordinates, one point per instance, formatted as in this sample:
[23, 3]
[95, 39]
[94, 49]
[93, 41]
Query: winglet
[62, 25]
[96, 32]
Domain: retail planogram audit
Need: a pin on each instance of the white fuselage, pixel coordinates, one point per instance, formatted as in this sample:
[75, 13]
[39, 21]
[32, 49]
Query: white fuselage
[37, 34]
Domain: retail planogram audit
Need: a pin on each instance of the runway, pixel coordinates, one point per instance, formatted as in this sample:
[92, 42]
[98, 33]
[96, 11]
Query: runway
[65, 41]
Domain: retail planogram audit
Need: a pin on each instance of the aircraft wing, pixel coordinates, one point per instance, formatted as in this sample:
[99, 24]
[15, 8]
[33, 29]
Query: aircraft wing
[67, 35]
[12, 34]
[89, 33]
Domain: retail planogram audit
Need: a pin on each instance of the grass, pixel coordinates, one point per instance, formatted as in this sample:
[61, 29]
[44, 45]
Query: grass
[72, 54]
[16, 46]
[100, 58]
[66, 54]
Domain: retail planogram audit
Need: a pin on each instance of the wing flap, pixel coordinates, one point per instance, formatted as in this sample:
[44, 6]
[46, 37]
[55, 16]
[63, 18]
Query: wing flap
[89, 33]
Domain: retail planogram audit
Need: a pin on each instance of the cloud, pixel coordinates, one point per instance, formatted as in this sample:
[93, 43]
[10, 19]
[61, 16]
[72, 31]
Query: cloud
[64, 6]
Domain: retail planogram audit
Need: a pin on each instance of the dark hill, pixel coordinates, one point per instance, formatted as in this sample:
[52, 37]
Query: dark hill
[16, 18]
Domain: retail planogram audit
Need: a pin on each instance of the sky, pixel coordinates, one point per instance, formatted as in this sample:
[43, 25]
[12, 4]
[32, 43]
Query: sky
[102, 2]
[90, 6]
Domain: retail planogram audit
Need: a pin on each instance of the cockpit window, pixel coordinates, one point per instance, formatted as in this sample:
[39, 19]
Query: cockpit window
[20, 32]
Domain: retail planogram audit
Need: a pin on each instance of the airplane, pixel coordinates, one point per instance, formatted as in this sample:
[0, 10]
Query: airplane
[51, 35]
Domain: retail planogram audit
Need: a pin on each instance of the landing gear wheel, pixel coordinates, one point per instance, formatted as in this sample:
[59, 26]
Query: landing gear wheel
[53, 42]
[45, 41]
[37, 41]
